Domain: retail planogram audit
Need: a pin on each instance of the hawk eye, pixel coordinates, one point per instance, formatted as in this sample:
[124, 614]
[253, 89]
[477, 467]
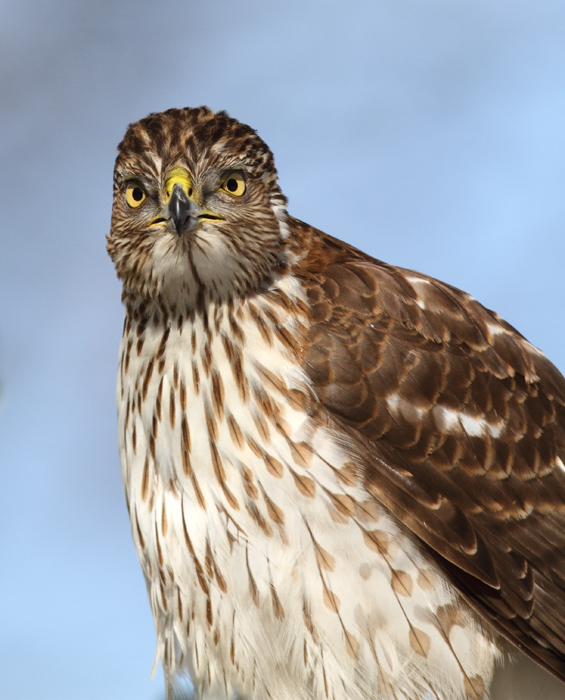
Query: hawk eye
[135, 195]
[234, 184]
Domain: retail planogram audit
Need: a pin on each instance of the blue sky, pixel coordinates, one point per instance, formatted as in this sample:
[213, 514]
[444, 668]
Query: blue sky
[430, 133]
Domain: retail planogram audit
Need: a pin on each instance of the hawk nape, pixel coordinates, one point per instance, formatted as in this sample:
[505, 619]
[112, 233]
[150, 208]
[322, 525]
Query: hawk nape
[346, 480]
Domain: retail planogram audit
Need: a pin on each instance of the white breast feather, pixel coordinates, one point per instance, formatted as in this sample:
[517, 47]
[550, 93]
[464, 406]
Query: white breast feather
[282, 586]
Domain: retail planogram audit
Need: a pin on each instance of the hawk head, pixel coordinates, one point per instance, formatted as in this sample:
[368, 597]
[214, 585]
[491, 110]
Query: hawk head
[198, 212]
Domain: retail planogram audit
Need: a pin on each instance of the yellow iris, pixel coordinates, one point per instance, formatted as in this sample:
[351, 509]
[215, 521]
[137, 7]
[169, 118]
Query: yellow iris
[135, 194]
[234, 184]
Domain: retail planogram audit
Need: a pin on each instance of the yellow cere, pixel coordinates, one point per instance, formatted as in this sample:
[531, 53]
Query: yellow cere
[135, 194]
[234, 184]
[179, 176]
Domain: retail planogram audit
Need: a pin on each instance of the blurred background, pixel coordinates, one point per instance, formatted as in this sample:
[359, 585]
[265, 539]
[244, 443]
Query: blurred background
[430, 133]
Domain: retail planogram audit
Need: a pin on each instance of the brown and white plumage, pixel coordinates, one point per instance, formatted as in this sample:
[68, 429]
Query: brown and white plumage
[345, 479]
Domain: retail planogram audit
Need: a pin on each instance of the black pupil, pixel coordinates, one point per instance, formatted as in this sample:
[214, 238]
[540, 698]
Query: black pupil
[231, 184]
[137, 194]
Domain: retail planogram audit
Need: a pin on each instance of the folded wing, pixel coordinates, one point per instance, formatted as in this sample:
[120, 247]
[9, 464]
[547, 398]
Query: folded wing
[461, 423]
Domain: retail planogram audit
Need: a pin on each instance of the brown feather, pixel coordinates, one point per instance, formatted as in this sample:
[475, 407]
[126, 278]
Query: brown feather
[403, 363]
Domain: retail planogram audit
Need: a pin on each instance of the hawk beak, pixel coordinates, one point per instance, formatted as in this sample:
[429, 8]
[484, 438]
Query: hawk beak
[180, 212]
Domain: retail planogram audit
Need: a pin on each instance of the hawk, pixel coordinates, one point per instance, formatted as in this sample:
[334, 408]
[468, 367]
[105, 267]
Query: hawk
[345, 479]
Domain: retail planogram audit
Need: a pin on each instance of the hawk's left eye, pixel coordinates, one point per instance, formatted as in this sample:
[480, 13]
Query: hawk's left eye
[234, 184]
[135, 195]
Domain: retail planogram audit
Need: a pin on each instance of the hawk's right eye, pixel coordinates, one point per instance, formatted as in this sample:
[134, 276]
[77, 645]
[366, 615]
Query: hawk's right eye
[135, 195]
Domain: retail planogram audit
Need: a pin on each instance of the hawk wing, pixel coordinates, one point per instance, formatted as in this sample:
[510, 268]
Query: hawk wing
[462, 425]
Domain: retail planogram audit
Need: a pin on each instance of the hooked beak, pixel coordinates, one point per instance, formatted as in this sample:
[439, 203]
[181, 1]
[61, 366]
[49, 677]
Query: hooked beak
[181, 213]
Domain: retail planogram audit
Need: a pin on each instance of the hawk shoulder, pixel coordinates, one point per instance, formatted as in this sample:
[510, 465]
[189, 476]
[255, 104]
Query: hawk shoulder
[460, 422]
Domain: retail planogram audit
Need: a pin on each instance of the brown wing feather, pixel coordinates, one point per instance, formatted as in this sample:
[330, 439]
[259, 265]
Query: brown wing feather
[462, 424]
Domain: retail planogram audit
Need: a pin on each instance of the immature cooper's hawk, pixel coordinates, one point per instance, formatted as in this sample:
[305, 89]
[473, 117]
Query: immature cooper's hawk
[346, 480]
